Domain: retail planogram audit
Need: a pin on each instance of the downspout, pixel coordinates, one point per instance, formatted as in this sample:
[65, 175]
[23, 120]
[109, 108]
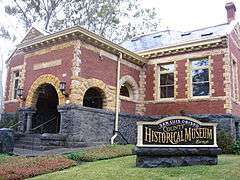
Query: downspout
[117, 99]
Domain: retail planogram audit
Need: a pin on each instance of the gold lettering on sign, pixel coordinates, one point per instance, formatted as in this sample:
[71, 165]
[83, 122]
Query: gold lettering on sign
[175, 137]
[47, 64]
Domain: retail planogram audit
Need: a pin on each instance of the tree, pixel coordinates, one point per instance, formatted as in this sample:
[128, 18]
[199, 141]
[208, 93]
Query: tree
[30, 11]
[115, 20]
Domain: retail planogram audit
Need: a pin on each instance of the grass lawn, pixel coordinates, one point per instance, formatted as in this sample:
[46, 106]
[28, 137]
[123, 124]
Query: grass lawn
[124, 168]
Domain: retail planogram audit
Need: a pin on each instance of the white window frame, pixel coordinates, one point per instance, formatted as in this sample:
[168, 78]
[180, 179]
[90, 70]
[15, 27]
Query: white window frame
[191, 77]
[14, 78]
[159, 81]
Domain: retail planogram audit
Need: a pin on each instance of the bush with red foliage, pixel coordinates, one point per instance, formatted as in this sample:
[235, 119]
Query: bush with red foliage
[23, 167]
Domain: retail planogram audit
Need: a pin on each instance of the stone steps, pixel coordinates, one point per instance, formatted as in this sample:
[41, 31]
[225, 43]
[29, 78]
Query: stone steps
[35, 147]
[39, 142]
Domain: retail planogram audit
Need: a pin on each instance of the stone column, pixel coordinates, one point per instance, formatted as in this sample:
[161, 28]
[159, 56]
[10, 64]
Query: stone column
[63, 110]
[29, 120]
[24, 114]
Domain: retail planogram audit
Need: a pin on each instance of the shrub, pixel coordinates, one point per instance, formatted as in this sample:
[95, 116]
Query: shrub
[100, 153]
[236, 147]
[8, 121]
[225, 142]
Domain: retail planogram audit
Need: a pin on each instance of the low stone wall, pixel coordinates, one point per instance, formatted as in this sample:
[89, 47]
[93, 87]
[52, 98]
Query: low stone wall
[87, 126]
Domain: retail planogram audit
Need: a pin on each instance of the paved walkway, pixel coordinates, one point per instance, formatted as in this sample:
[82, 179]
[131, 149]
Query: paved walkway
[29, 152]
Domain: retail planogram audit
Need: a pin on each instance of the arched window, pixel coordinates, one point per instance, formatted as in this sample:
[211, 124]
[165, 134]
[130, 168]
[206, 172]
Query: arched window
[93, 98]
[126, 90]
[128, 87]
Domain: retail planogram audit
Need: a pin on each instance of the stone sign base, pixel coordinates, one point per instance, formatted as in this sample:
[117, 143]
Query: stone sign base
[150, 157]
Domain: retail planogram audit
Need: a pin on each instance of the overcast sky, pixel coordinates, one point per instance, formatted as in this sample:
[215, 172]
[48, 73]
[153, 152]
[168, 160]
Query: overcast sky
[191, 14]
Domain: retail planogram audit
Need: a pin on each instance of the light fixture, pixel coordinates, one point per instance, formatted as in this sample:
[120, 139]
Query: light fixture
[100, 57]
[20, 94]
[62, 87]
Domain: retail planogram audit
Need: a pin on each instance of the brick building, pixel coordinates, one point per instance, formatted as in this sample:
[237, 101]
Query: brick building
[53, 79]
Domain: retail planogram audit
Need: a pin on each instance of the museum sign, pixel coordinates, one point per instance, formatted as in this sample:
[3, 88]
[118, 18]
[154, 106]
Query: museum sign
[176, 131]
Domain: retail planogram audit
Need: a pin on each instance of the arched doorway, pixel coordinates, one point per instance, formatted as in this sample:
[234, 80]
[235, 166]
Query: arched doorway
[93, 98]
[46, 119]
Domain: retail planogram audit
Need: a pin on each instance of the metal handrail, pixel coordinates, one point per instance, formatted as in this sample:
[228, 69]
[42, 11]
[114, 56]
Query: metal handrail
[43, 124]
[11, 127]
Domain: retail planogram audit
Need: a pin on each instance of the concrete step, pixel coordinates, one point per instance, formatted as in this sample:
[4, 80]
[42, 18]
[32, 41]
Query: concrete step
[40, 142]
[23, 141]
[29, 139]
[35, 147]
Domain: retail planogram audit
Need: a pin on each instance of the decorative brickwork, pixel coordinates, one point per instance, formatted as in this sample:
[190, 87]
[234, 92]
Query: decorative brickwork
[133, 84]
[187, 79]
[227, 83]
[77, 58]
[194, 55]
[49, 49]
[48, 64]
[175, 79]
[80, 85]
[156, 87]
[49, 79]
[140, 107]
[211, 76]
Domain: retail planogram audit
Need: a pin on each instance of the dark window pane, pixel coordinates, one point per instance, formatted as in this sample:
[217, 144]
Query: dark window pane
[167, 92]
[17, 74]
[167, 67]
[200, 75]
[201, 89]
[200, 63]
[16, 82]
[167, 79]
[124, 91]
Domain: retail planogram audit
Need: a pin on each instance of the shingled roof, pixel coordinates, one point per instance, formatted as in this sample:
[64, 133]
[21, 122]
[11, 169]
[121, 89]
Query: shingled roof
[170, 38]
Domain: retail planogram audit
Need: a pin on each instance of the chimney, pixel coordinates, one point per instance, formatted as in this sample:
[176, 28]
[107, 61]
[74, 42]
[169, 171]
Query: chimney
[231, 10]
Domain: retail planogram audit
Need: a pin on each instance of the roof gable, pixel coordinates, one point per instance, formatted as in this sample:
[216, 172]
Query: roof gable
[31, 34]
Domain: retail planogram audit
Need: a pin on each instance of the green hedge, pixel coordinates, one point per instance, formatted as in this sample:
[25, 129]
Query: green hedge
[225, 141]
[8, 120]
[100, 153]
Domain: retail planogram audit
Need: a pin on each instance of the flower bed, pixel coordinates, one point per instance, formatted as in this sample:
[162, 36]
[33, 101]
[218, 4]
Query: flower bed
[22, 167]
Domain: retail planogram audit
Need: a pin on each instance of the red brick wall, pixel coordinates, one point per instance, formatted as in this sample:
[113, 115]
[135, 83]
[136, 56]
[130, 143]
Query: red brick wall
[181, 76]
[234, 51]
[11, 106]
[128, 107]
[106, 70]
[66, 55]
[91, 67]
[149, 83]
[218, 78]
[174, 108]
[189, 106]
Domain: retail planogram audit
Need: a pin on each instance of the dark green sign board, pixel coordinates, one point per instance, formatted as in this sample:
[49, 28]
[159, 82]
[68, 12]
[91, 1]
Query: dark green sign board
[177, 131]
